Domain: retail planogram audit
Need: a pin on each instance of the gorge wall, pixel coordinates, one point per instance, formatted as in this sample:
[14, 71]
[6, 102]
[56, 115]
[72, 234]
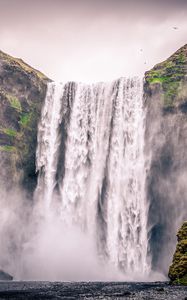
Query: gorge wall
[166, 144]
[22, 93]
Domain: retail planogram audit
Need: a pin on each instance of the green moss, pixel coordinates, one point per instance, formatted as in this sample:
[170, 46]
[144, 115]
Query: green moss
[170, 75]
[7, 148]
[154, 80]
[178, 269]
[182, 233]
[9, 131]
[14, 102]
[170, 90]
[25, 119]
[181, 58]
[183, 280]
[21, 101]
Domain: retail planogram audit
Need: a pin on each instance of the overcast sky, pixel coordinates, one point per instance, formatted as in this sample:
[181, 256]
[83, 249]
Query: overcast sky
[92, 40]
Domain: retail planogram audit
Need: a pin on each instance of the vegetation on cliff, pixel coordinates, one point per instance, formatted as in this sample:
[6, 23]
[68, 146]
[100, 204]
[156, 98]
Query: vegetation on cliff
[178, 269]
[165, 93]
[22, 91]
[171, 77]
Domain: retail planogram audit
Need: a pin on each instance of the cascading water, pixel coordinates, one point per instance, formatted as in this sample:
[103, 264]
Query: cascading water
[48, 140]
[90, 157]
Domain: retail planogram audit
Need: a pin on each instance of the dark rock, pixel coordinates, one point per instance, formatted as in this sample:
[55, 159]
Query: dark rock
[5, 276]
[126, 293]
[160, 289]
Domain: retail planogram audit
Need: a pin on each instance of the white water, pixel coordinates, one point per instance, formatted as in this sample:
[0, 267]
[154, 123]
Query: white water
[49, 141]
[102, 190]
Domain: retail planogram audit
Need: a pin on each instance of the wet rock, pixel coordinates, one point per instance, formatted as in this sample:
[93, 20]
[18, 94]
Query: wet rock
[5, 276]
[178, 269]
[126, 293]
[160, 289]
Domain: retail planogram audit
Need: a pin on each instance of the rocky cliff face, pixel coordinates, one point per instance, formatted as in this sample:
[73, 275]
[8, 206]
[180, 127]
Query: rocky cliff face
[178, 269]
[166, 139]
[22, 91]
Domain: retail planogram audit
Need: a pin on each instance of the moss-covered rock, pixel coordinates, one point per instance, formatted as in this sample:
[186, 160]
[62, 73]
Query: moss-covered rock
[170, 77]
[166, 143]
[22, 91]
[178, 269]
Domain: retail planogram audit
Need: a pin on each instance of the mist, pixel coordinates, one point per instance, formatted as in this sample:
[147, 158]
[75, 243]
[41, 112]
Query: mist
[38, 246]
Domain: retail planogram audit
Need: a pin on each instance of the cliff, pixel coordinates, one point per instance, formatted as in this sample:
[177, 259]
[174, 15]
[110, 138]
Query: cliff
[166, 143]
[178, 269]
[22, 91]
[170, 78]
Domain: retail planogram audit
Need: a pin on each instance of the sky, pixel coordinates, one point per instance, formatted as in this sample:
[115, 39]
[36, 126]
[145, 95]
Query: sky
[92, 40]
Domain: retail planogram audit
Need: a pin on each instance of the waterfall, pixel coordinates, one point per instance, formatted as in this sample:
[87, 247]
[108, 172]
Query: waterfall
[48, 140]
[90, 159]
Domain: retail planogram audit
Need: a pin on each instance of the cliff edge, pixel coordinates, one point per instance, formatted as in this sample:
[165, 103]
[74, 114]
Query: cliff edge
[22, 91]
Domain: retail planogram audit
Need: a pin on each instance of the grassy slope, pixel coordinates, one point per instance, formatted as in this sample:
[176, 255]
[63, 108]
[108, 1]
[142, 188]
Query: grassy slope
[22, 91]
[171, 76]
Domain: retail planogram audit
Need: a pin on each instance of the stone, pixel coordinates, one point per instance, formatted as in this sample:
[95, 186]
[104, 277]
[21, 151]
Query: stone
[178, 269]
[5, 276]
